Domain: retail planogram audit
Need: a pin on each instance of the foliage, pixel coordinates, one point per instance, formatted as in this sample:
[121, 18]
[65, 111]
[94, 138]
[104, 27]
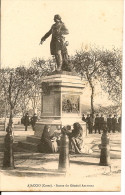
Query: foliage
[104, 66]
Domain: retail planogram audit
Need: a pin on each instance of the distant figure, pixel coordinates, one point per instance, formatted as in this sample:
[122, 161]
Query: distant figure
[58, 44]
[89, 122]
[47, 145]
[33, 121]
[114, 124]
[83, 118]
[26, 121]
[119, 124]
[109, 123]
[101, 123]
[22, 119]
[97, 123]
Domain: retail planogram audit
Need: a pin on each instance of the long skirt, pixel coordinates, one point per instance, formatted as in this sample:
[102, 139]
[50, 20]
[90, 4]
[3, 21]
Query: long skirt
[47, 146]
[75, 145]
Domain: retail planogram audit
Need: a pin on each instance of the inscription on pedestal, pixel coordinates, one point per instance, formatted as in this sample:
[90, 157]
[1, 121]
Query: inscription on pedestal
[70, 103]
[47, 104]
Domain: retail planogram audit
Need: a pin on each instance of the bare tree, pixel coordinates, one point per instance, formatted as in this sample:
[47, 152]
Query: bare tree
[104, 66]
[87, 64]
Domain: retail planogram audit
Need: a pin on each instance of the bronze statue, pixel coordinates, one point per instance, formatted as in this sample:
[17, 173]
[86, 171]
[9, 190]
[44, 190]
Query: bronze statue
[58, 44]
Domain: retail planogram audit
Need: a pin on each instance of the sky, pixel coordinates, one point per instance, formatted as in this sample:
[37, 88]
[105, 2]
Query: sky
[24, 22]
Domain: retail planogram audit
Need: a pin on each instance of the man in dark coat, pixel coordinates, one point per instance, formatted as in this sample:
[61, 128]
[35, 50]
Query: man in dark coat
[114, 124]
[97, 120]
[89, 121]
[34, 119]
[57, 45]
[26, 121]
[109, 123]
[101, 122]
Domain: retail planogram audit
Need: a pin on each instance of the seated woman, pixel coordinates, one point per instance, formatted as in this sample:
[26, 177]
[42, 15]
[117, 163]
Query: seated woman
[76, 139]
[48, 143]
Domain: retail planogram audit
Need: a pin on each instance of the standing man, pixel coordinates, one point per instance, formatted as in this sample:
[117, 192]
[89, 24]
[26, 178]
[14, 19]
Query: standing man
[26, 121]
[34, 119]
[109, 123]
[89, 122]
[114, 124]
[101, 123]
[58, 44]
[97, 123]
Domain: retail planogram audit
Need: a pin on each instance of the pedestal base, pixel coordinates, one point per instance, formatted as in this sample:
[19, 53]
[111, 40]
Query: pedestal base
[60, 102]
[55, 123]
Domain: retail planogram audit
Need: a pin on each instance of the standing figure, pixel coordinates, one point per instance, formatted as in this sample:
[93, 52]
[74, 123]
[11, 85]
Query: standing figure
[89, 122]
[58, 44]
[119, 124]
[101, 123]
[33, 121]
[26, 121]
[114, 124]
[22, 119]
[97, 120]
[109, 123]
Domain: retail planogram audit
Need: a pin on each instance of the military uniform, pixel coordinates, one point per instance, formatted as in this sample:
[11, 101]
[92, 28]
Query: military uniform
[57, 43]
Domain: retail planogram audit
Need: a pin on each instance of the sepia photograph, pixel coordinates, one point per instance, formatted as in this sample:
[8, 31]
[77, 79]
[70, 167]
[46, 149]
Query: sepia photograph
[61, 75]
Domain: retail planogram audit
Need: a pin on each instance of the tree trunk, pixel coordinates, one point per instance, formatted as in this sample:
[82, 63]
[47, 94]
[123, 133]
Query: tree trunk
[92, 102]
[5, 122]
[92, 97]
[11, 117]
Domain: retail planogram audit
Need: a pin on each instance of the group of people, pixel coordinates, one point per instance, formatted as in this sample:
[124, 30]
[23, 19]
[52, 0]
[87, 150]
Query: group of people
[51, 143]
[97, 124]
[27, 121]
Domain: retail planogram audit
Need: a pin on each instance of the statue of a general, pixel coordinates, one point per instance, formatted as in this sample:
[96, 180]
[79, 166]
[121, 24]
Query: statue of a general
[58, 43]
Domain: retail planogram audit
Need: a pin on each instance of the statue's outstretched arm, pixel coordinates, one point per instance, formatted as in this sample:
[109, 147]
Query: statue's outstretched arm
[46, 36]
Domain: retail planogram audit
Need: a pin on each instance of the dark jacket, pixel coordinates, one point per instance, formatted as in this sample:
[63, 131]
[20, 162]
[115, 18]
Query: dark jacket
[97, 121]
[26, 120]
[109, 122]
[114, 122]
[34, 120]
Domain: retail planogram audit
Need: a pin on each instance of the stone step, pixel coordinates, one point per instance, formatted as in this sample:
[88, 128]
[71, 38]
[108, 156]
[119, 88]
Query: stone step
[1, 129]
[18, 133]
[28, 146]
[33, 139]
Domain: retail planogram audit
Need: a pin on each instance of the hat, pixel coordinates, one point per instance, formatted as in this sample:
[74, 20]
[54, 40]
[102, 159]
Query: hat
[57, 17]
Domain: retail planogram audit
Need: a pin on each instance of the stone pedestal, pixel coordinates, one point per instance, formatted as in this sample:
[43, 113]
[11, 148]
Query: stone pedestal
[60, 101]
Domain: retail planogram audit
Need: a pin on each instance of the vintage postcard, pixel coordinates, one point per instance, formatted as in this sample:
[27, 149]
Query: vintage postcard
[61, 95]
